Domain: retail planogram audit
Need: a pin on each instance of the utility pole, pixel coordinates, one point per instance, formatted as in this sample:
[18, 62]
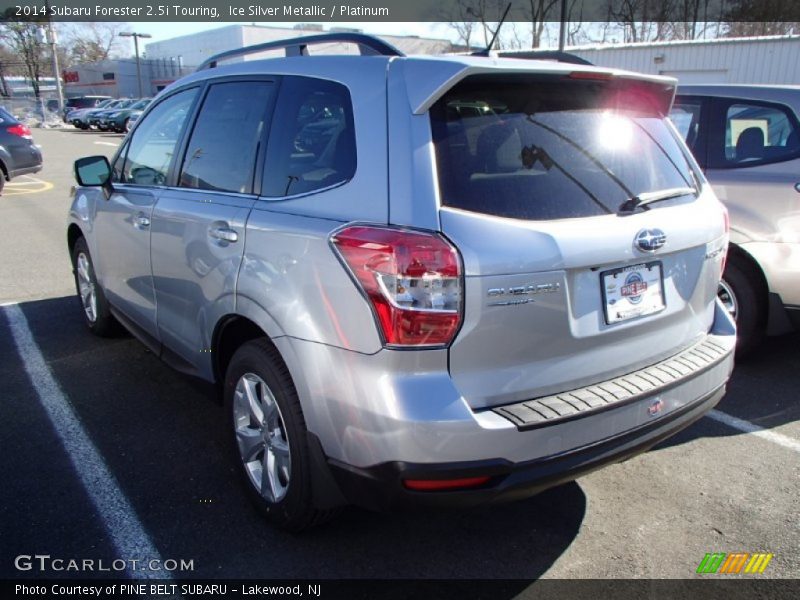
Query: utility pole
[51, 39]
[136, 37]
[562, 27]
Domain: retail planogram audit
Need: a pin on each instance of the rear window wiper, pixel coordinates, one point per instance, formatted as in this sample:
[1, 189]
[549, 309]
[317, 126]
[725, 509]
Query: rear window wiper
[642, 200]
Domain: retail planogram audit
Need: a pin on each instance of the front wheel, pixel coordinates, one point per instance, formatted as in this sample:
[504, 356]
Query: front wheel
[738, 293]
[96, 311]
[269, 437]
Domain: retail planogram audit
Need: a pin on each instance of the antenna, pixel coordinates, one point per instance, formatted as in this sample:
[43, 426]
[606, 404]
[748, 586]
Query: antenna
[496, 33]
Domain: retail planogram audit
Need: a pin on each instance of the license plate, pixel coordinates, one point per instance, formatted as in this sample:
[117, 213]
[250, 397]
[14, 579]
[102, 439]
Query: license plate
[632, 292]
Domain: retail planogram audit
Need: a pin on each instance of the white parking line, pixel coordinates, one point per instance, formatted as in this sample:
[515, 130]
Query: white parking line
[124, 529]
[107, 144]
[748, 427]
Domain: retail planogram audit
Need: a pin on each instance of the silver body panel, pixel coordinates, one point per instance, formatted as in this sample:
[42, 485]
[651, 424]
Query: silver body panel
[368, 404]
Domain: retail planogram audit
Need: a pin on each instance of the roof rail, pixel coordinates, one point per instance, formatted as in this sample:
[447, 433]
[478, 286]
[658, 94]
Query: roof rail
[557, 55]
[368, 45]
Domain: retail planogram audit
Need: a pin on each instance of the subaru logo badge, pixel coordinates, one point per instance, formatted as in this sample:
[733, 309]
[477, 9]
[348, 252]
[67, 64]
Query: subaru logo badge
[650, 240]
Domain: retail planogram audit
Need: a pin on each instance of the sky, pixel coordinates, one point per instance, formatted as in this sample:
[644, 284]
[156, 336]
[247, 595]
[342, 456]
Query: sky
[164, 31]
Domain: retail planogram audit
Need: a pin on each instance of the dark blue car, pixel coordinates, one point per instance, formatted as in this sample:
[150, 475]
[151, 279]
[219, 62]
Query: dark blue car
[18, 154]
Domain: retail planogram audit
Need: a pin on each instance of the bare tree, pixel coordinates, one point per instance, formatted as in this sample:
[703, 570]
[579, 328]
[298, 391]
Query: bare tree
[537, 12]
[760, 17]
[459, 19]
[92, 42]
[467, 15]
[23, 40]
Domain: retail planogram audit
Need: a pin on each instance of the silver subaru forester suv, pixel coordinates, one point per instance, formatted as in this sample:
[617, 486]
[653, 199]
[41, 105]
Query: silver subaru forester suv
[417, 280]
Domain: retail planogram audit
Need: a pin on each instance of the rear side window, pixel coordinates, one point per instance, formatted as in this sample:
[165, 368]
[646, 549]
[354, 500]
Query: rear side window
[759, 134]
[6, 117]
[222, 150]
[312, 142]
[544, 148]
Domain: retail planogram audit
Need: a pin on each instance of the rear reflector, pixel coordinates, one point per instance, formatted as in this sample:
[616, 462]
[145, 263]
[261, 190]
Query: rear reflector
[439, 485]
[411, 278]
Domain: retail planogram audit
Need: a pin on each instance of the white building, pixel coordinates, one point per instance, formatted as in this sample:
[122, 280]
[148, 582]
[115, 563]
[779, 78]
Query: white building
[767, 60]
[191, 50]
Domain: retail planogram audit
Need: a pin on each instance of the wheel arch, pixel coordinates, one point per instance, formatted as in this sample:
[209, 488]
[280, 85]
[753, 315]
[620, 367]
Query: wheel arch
[74, 233]
[754, 271]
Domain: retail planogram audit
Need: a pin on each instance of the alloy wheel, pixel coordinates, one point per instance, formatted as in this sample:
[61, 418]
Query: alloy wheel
[261, 437]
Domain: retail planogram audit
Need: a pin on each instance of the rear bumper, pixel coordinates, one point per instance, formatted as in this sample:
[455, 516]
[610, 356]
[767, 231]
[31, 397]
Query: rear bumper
[381, 487]
[385, 418]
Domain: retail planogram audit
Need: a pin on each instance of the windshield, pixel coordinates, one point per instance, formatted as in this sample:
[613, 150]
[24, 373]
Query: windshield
[553, 148]
[140, 105]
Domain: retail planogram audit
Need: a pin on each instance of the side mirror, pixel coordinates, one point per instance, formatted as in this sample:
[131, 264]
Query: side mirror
[94, 171]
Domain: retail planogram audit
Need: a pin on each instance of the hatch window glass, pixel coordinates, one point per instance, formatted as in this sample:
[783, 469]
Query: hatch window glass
[555, 148]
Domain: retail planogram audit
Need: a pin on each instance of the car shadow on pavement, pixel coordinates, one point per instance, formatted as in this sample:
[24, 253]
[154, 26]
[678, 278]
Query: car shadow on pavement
[762, 390]
[163, 438]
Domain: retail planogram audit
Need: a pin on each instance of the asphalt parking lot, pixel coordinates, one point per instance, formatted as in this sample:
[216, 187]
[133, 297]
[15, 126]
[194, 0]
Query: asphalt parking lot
[713, 488]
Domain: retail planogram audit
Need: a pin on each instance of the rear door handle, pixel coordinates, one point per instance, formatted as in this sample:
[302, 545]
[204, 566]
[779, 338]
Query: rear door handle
[224, 234]
[141, 221]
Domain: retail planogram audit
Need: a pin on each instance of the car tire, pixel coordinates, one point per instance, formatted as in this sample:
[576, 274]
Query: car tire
[268, 437]
[126, 126]
[739, 293]
[94, 306]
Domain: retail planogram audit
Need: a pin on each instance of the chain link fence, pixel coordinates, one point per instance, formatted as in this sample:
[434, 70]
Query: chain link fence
[34, 112]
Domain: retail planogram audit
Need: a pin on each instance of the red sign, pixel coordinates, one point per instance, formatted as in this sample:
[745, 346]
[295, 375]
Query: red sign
[70, 76]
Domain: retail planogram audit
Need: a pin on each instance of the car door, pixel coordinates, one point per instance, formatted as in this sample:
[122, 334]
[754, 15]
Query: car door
[198, 225]
[122, 223]
[754, 166]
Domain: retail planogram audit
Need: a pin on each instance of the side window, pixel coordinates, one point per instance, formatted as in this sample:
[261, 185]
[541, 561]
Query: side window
[153, 144]
[685, 115]
[312, 142]
[222, 150]
[758, 134]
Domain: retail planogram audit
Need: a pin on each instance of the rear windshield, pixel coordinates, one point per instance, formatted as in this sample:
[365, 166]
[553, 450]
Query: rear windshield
[550, 147]
[6, 117]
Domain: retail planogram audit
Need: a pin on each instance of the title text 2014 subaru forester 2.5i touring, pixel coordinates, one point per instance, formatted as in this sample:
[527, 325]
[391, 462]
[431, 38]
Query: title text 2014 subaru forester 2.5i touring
[419, 281]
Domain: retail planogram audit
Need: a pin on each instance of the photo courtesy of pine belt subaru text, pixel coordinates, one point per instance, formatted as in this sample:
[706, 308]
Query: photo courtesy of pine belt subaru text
[418, 281]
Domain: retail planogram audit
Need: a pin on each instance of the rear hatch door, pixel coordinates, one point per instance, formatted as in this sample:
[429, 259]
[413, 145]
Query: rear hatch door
[562, 287]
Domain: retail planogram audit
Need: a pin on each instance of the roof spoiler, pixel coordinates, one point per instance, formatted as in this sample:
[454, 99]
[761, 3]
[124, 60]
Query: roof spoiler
[556, 55]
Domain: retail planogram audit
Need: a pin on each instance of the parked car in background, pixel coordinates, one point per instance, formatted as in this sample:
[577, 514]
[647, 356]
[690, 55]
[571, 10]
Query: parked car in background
[79, 116]
[98, 118]
[118, 120]
[134, 118]
[18, 154]
[71, 104]
[746, 138]
[530, 298]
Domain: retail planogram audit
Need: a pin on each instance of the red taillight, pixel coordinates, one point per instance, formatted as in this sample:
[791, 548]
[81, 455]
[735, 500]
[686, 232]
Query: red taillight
[596, 75]
[440, 485]
[726, 219]
[20, 130]
[727, 222]
[412, 279]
